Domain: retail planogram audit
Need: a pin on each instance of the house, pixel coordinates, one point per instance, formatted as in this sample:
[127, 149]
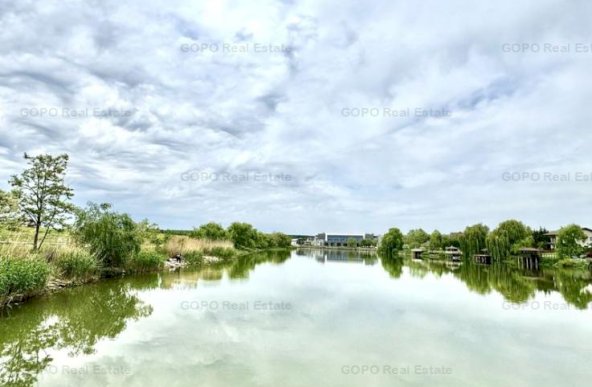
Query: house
[339, 240]
[585, 243]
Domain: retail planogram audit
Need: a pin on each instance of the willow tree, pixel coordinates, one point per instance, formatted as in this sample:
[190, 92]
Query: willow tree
[391, 242]
[44, 199]
[474, 239]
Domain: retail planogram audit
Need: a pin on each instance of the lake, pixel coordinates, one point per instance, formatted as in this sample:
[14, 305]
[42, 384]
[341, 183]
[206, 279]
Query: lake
[308, 318]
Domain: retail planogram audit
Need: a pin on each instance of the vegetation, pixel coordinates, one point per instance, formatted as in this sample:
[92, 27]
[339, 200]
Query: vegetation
[212, 231]
[21, 276]
[416, 238]
[77, 264]
[110, 236]
[436, 240]
[474, 239]
[391, 242]
[568, 241]
[43, 196]
[145, 261]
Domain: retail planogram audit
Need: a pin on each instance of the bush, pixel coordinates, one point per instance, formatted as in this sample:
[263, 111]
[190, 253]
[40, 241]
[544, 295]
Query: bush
[145, 261]
[77, 264]
[220, 252]
[569, 263]
[193, 258]
[112, 237]
[22, 276]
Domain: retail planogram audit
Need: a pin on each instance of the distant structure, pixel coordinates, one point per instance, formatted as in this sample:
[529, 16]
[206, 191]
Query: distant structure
[585, 243]
[340, 240]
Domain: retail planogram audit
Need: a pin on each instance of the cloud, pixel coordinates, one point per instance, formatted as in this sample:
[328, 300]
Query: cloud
[307, 90]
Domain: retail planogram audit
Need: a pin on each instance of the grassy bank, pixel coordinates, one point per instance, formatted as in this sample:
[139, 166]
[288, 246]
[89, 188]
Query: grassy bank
[62, 263]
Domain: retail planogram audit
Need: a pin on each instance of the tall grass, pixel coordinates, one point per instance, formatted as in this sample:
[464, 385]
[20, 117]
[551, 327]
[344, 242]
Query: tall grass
[145, 261]
[76, 263]
[184, 245]
[22, 277]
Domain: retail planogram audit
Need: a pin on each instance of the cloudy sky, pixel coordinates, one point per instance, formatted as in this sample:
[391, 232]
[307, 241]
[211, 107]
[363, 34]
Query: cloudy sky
[306, 116]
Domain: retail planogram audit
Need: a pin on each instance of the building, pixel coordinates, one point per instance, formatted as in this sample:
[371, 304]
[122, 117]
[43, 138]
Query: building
[585, 243]
[339, 240]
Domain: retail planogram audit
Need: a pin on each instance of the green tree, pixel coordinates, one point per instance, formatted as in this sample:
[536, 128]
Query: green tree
[112, 237]
[515, 230]
[368, 242]
[243, 235]
[280, 240]
[474, 239]
[568, 241]
[351, 242]
[541, 240]
[416, 238]
[9, 210]
[436, 241]
[391, 242]
[43, 196]
[212, 231]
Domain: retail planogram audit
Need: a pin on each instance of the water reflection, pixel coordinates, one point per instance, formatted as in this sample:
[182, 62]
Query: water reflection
[74, 321]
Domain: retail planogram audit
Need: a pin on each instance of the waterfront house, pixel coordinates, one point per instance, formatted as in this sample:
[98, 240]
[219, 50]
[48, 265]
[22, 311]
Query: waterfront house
[585, 243]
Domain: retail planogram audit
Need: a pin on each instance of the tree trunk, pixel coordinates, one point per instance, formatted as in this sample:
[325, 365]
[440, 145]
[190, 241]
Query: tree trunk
[37, 226]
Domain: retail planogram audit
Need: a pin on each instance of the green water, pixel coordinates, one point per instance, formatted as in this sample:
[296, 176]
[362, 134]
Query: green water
[308, 319]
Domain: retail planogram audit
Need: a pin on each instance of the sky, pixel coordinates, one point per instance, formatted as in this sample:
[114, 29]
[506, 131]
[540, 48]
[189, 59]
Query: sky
[306, 116]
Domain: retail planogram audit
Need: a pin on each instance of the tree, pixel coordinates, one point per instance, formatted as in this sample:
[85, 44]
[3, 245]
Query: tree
[111, 236]
[43, 196]
[391, 242]
[515, 230]
[243, 235]
[474, 239]
[416, 238]
[280, 240]
[368, 242]
[9, 210]
[541, 240]
[568, 241]
[212, 231]
[436, 241]
[351, 242]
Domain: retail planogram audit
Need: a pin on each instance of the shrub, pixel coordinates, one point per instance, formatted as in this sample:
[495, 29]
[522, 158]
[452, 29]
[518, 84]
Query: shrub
[22, 276]
[145, 261]
[77, 264]
[111, 237]
[193, 258]
[568, 263]
[211, 231]
[220, 252]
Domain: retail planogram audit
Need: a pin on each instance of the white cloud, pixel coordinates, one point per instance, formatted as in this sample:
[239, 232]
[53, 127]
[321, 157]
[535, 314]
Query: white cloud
[198, 108]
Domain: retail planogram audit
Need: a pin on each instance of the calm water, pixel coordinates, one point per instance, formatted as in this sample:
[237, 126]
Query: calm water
[308, 319]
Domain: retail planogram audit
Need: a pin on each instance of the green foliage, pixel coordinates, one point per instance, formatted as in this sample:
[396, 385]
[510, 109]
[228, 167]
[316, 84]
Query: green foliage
[567, 241]
[77, 264]
[391, 242]
[22, 276]
[112, 237]
[280, 240]
[351, 242]
[515, 231]
[416, 238]
[509, 237]
[193, 258]
[368, 243]
[474, 239]
[220, 252]
[570, 263]
[436, 241]
[243, 235]
[145, 261]
[212, 231]
[452, 239]
[539, 238]
[9, 210]
[498, 245]
[43, 196]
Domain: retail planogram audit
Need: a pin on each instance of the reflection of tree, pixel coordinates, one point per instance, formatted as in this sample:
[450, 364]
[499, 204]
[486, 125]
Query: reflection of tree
[571, 286]
[75, 321]
[240, 268]
[393, 266]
